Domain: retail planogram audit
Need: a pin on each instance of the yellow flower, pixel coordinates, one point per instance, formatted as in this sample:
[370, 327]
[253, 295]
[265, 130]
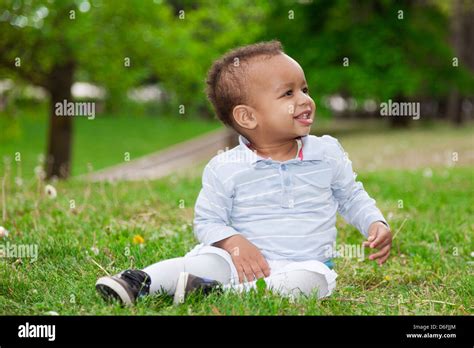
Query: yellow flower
[388, 278]
[137, 239]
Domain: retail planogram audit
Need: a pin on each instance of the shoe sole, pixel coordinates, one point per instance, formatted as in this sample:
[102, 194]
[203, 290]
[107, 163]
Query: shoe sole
[111, 289]
[180, 292]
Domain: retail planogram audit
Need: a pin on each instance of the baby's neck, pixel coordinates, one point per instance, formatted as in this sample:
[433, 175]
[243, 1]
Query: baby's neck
[280, 151]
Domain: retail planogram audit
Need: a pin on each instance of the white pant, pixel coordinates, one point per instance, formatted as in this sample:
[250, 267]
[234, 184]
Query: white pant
[288, 278]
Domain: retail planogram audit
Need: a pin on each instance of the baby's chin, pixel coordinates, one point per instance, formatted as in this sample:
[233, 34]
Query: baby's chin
[303, 131]
[297, 134]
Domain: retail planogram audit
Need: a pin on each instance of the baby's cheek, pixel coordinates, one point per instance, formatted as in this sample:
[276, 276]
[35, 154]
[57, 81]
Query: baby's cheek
[290, 109]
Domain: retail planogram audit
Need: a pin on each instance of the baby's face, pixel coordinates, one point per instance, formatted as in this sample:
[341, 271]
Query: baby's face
[280, 98]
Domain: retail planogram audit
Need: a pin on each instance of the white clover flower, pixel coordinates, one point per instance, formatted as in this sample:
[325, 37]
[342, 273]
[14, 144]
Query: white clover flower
[52, 313]
[50, 191]
[3, 232]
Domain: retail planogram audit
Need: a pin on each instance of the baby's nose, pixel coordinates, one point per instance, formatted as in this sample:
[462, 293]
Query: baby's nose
[305, 100]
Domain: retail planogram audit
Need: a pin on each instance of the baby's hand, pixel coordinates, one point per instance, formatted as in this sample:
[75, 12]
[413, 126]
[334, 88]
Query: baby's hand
[380, 237]
[247, 258]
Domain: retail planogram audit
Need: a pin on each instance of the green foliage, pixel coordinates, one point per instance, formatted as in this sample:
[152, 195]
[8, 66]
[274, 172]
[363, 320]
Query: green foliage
[119, 44]
[388, 56]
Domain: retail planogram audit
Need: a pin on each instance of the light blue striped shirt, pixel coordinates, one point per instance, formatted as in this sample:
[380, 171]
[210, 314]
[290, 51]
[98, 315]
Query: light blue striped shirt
[287, 209]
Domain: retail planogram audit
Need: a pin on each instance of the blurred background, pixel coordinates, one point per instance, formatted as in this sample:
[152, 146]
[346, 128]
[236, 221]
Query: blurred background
[143, 64]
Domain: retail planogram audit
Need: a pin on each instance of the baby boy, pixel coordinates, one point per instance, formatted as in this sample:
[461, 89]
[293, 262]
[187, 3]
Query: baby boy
[267, 208]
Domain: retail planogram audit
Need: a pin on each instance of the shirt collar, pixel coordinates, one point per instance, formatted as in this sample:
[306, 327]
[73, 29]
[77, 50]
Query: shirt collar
[310, 151]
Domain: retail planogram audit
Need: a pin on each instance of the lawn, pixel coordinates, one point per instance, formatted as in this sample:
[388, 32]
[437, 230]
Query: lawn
[100, 142]
[429, 272]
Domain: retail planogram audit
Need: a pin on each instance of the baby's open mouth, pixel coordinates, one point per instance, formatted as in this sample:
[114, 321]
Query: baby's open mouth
[304, 118]
[303, 115]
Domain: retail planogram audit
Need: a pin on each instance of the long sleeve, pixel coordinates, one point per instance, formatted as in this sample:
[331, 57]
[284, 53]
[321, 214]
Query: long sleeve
[212, 210]
[355, 205]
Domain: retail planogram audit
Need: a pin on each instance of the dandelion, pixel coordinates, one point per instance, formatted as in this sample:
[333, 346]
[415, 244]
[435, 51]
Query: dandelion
[3, 232]
[137, 239]
[50, 191]
[387, 278]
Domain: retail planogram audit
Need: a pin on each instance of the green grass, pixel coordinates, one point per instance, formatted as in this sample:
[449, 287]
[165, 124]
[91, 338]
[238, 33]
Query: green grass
[428, 273]
[103, 141]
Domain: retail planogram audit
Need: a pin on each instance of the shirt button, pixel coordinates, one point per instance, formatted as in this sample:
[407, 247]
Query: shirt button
[283, 167]
[287, 182]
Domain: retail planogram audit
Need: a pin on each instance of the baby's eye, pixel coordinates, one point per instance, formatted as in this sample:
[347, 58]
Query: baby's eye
[305, 90]
[289, 93]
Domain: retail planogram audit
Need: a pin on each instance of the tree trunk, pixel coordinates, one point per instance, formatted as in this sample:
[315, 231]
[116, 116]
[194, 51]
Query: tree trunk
[58, 159]
[454, 110]
[399, 121]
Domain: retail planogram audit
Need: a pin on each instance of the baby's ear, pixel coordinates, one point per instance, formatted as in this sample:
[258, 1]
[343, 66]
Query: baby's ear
[244, 116]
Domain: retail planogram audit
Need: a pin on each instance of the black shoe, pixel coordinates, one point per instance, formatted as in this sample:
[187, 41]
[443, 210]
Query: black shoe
[188, 283]
[126, 286]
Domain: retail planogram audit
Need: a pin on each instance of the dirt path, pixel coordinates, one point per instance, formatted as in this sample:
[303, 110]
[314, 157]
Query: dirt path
[173, 159]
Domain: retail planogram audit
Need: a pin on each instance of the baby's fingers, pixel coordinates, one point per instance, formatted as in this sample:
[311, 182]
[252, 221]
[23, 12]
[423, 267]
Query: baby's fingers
[383, 258]
[382, 252]
[384, 242]
[240, 272]
[257, 270]
[248, 272]
[264, 266]
[381, 237]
